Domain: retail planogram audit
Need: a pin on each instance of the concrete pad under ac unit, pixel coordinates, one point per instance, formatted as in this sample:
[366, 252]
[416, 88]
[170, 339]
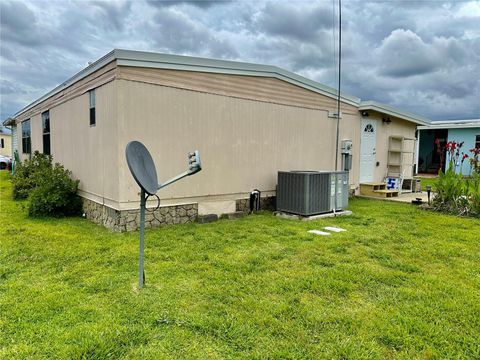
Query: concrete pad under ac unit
[216, 207]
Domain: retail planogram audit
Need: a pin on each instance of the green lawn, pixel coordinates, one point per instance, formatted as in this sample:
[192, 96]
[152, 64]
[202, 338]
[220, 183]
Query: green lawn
[400, 283]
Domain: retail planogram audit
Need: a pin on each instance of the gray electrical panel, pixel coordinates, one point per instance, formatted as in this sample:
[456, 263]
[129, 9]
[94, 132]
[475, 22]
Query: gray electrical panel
[341, 190]
[312, 192]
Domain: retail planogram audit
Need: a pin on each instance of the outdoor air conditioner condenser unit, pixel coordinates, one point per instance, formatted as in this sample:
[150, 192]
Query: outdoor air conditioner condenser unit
[311, 192]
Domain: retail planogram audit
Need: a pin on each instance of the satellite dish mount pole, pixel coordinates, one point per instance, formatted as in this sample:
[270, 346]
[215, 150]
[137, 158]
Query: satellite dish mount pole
[141, 273]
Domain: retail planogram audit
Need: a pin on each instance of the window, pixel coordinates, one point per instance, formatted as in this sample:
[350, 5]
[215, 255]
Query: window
[26, 141]
[2, 143]
[91, 96]
[477, 141]
[369, 128]
[46, 132]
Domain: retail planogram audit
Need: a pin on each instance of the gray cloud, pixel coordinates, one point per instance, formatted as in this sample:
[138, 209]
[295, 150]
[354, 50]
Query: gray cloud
[420, 56]
[295, 22]
[403, 54]
[174, 31]
[17, 24]
[203, 4]
[112, 14]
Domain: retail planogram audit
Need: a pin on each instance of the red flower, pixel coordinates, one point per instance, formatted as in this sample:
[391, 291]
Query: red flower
[436, 142]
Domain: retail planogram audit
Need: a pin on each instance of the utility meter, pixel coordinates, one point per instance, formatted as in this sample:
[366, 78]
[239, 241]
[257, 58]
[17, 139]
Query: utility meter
[347, 150]
[347, 147]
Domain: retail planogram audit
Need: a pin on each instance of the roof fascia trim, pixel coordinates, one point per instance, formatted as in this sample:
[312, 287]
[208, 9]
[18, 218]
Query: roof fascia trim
[373, 105]
[449, 126]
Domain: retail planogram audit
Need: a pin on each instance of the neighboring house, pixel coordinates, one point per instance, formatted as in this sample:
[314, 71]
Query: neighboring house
[249, 121]
[5, 143]
[432, 157]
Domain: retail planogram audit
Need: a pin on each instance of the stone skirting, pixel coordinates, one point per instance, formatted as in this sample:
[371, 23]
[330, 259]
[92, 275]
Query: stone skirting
[128, 220]
[266, 203]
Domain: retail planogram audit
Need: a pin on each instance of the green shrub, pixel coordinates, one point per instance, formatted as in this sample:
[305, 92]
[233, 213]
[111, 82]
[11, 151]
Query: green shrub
[451, 190]
[474, 196]
[55, 194]
[28, 173]
[457, 194]
[50, 189]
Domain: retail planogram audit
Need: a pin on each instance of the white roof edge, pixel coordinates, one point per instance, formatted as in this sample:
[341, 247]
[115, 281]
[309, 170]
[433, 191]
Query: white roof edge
[179, 62]
[450, 126]
[389, 110]
[463, 121]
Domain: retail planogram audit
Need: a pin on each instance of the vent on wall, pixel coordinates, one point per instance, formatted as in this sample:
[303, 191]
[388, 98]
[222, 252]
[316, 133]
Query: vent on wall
[311, 192]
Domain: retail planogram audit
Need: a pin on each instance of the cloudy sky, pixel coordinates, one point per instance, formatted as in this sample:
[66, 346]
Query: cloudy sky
[420, 56]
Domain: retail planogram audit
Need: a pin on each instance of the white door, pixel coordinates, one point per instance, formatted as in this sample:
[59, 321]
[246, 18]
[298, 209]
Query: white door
[367, 149]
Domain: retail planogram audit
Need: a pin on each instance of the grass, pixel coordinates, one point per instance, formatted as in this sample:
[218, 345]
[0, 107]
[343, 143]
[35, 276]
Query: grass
[400, 283]
[432, 181]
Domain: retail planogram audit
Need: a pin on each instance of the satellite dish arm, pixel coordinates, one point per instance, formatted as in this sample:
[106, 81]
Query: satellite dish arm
[194, 166]
[172, 180]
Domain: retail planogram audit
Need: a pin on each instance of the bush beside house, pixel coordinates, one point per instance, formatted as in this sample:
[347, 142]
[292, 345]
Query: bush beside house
[49, 188]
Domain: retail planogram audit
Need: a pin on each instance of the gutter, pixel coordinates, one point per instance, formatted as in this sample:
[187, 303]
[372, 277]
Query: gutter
[434, 126]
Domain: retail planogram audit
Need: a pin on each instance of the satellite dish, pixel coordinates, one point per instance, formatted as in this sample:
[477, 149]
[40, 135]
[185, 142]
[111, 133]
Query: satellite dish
[142, 167]
[143, 170]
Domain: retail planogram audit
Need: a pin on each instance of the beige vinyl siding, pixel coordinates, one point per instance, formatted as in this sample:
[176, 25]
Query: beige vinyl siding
[91, 153]
[243, 143]
[246, 87]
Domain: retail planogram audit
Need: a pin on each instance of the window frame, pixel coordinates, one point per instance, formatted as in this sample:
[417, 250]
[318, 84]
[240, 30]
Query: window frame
[92, 107]
[26, 140]
[477, 141]
[46, 134]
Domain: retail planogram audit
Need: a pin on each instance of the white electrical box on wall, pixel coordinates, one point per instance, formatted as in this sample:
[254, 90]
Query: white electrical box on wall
[347, 147]
[347, 152]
